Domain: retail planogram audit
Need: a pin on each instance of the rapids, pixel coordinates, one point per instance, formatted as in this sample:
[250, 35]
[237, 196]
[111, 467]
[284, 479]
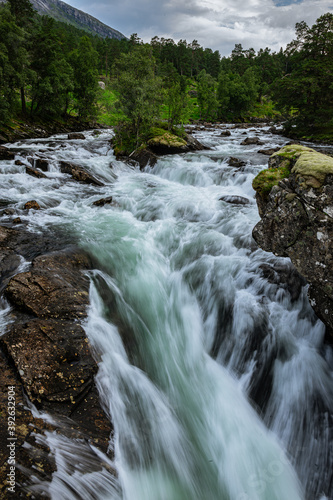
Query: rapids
[216, 376]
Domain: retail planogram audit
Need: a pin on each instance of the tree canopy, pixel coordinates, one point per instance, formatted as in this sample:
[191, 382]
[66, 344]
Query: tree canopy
[50, 69]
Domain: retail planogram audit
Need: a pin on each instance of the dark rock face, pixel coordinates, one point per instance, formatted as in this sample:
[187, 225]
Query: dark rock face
[78, 173]
[35, 173]
[297, 222]
[6, 154]
[104, 201]
[53, 360]
[251, 140]
[76, 135]
[42, 164]
[236, 162]
[144, 157]
[46, 355]
[63, 12]
[42, 293]
[268, 152]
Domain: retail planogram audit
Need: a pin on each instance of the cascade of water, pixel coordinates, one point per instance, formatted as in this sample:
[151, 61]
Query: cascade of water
[187, 325]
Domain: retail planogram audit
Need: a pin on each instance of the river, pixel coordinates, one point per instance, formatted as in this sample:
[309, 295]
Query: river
[212, 367]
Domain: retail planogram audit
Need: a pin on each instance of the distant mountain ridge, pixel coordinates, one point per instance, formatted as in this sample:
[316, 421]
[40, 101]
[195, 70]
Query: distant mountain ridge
[61, 11]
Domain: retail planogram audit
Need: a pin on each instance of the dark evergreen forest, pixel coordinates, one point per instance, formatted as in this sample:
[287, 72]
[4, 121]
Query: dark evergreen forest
[50, 70]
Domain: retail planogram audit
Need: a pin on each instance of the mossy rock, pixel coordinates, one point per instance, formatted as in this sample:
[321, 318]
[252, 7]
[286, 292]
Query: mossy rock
[306, 163]
[309, 167]
[164, 138]
[266, 179]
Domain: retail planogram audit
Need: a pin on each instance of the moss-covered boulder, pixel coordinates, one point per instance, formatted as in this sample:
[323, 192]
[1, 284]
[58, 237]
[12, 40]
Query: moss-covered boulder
[159, 142]
[306, 168]
[295, 201]
[165, 142]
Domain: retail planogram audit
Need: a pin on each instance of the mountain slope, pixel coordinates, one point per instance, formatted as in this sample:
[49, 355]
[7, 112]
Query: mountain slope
[61, 11]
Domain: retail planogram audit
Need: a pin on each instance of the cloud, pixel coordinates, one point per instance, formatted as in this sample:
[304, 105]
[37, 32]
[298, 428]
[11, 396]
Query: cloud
[217, 24]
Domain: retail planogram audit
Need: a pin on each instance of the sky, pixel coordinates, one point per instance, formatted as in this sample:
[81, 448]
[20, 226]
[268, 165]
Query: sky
[215, 24]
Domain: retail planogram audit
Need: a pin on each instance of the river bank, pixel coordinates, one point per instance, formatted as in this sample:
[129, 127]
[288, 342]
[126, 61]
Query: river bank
[19, 130]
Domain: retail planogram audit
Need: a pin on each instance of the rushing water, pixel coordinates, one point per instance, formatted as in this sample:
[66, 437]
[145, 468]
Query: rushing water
[188, 327]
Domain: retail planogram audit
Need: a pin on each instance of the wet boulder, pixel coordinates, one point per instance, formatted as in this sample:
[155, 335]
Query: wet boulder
[76, 135]
[143, 157]
[47, 354]
[53, 287]
[53, 359]
[164, 142]
[78, 173]
[268, 152]
[35, 173]
[251, 140]
[32, 204]
[6, 154]
[295, 201]
[235, 200]
[236, 162]
[103, 201]
[42, 164]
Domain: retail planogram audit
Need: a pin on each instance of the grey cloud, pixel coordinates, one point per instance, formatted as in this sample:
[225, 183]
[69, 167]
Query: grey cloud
[217, 24]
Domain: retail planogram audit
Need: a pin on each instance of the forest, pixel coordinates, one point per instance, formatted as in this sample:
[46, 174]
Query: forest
[50, 70]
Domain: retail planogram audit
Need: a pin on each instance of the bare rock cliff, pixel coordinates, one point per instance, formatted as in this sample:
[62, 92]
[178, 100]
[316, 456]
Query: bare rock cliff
[61, 11]
[295, 201]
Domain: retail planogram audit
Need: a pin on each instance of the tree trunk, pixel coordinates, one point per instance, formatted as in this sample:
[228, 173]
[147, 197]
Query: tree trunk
[23, 103]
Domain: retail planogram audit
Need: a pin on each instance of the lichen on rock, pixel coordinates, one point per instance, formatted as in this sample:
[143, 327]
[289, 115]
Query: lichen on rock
[295, 201]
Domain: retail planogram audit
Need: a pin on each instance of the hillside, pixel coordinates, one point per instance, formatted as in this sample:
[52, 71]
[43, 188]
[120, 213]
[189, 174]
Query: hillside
[61, 11]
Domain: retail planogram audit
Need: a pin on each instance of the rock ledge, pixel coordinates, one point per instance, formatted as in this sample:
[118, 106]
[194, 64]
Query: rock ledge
[295, 201]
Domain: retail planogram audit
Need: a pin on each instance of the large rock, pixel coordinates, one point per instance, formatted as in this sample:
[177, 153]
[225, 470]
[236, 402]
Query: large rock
[144, 157]
[251, 140]
[78, 173]
[76, 135]
[54, 287]
[162, 143]
[168, 143]
[47, 354]
[34, 172]
[6, 154]
[295, 200]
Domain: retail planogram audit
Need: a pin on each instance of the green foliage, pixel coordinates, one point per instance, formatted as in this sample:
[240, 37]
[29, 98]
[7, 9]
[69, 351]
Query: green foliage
[175, 96]
[107, 113]
[140, 90]
[308, 84]
[52, 75]
[84, 62]
[53, 68]
[13, 56]
[207, 100]
[236, 94]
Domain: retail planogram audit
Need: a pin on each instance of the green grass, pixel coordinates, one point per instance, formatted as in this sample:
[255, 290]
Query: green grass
[107, 112]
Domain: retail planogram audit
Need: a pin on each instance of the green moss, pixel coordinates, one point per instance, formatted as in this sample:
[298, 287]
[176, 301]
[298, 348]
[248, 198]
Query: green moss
[266, 179]
[165, 138]
[309, 166]
[307, 163]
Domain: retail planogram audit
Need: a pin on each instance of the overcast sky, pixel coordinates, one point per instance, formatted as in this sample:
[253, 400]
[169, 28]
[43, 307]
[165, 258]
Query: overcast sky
[217, 24]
